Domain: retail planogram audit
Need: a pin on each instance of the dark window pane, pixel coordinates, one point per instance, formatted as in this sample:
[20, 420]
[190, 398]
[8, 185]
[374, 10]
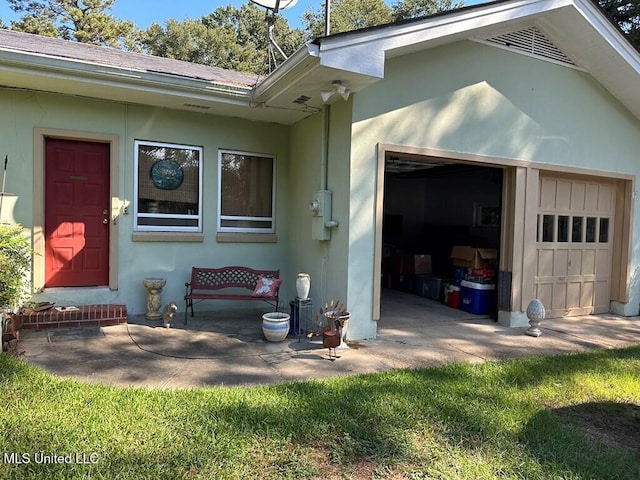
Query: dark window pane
[168, 222]
[548, 224]
[166, 207]
[247, 184]
[246, 223]
[489, 216]
[576, 231]
[604, 230]
[563, 228]
[591, 229]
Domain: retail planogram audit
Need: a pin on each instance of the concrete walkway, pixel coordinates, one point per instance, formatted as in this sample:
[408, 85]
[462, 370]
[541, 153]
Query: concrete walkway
[228, 348]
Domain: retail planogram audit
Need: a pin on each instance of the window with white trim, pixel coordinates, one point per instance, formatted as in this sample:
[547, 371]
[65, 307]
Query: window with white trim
[246, 192]
[168, 187]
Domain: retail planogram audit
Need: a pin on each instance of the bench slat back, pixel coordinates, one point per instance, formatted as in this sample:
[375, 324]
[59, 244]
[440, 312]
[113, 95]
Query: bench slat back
[228, 277]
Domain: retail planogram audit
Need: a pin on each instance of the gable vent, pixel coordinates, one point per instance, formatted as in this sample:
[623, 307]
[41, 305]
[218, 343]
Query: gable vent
[532, 41]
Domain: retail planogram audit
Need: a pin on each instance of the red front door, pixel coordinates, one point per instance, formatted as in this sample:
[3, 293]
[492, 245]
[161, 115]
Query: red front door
[76, 220]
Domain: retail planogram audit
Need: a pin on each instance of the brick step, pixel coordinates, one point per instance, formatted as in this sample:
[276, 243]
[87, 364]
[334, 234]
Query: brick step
[85, 315]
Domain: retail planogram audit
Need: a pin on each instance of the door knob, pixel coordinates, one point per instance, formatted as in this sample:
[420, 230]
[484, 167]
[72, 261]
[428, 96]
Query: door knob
[105, 220]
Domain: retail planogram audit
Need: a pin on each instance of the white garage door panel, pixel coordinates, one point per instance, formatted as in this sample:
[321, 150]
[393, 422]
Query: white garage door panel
[545, 262]
[577, 196]
[574, 245]
[574, 295]
[561, 263]
[576, 264]
[587, 293]
[559, 296]
[544, 292]
[591, 198]
[603, 262]
[589, 262]
[547, 195]
[563, 195]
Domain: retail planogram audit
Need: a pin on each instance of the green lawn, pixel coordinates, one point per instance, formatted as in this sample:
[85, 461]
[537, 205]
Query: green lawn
[564, 417]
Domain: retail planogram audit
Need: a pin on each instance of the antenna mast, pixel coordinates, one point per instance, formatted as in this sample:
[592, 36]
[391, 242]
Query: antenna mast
[327, 18]
[272, 8]
[271, 23]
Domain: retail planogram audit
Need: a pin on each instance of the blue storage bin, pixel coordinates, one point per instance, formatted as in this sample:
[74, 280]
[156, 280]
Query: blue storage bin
[459, 274]
[477, 298]
[430, 286]
[404, 283]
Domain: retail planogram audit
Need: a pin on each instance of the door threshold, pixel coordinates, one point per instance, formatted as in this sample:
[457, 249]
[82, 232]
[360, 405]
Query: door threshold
[84, 289]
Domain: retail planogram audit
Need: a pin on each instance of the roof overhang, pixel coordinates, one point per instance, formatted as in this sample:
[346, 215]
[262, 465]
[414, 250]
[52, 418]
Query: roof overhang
[111, 83]
[299, 82]
[356, 59]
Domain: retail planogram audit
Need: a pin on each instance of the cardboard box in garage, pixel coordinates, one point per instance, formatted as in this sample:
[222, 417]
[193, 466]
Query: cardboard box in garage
[416, 264]
[471, 257]
[411, 264]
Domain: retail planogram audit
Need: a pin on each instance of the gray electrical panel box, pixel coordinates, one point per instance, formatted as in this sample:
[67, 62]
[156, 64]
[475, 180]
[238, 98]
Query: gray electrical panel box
[320, 207]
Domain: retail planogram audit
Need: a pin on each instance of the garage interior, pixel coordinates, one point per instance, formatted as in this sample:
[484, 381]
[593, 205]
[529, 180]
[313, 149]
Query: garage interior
[432, 205]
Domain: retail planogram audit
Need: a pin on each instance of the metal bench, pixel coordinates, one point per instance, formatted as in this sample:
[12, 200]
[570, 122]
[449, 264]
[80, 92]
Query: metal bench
[224, 283]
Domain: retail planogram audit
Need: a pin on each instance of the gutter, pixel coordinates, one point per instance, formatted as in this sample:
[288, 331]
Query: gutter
[97, 74]
[301, 63]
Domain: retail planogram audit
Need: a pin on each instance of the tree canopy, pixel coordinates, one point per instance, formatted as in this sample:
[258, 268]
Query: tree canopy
[346, 15]
[229, 37]
[405, 9]
[626, 13]
[87, 21]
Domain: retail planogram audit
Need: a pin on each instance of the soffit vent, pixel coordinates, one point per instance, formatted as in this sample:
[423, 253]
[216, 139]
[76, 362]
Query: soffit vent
[302, 99]
[194, 105]
[533, 42]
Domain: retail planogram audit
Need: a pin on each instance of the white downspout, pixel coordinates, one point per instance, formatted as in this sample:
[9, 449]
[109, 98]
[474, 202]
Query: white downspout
[324, 161]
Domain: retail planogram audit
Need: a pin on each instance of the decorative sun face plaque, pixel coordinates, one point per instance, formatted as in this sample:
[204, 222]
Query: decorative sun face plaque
[167, 174]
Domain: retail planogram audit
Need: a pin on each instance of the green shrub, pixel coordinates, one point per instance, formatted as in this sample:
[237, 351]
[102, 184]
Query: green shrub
[15, 266]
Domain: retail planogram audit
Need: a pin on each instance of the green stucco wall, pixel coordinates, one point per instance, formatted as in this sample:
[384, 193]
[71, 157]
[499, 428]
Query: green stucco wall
[466, 97]
[473, 98]
[325, 260]
[21, 112]
[307, 147]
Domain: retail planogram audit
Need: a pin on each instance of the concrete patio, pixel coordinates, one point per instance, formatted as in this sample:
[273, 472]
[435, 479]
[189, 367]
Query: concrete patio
[228, 347]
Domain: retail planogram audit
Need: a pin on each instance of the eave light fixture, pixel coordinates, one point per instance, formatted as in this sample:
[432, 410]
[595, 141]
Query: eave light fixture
[337, 89]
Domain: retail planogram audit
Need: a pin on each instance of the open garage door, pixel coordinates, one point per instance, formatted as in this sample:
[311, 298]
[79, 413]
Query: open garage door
[431, 206]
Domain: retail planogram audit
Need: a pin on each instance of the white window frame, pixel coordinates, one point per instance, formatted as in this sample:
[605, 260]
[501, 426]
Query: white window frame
[166, 228]
[272, 219]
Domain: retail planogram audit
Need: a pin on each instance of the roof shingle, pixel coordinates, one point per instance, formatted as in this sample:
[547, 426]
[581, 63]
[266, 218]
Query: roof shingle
[111, 57]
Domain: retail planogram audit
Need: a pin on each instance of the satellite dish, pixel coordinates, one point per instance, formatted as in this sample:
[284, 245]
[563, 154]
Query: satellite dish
[275, 5]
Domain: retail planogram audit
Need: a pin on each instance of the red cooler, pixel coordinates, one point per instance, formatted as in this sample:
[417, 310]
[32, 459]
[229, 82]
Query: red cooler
[453, 298]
